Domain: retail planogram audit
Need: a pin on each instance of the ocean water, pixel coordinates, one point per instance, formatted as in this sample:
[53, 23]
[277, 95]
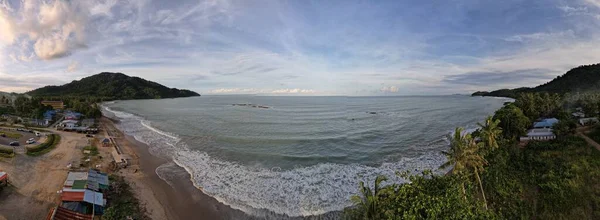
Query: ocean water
[301, 156]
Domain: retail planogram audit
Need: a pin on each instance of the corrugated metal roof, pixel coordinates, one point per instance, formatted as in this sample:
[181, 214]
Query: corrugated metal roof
[79, 184]
[93, 197]
[75, 176]
[72, 196]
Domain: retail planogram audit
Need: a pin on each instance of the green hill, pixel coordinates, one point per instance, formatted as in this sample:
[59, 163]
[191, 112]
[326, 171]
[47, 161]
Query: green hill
[582, 79]
[113, 86]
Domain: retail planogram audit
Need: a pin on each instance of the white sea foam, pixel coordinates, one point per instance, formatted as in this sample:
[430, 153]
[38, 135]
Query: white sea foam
[301, 191]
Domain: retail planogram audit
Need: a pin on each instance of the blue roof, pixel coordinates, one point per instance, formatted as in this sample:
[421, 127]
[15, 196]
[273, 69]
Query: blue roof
[546, 123]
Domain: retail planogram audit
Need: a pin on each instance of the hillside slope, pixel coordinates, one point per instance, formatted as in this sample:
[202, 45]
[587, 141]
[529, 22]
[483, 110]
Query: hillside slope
[581, 79]
[113, 86]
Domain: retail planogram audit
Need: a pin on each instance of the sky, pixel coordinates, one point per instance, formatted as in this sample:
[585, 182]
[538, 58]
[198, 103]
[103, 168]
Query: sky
[302, 47]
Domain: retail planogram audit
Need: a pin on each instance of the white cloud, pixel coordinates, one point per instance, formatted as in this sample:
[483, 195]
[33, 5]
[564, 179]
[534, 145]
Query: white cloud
[73, 66]
[261, 91]
[54, 28]
[387, 89]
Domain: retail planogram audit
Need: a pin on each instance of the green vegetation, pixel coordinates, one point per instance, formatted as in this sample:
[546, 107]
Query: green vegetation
[11, 135]
[7, 152]
[51, 142]
[583, 79]
[93, 150]
[110, 86]
[122, 202]
[492, 177]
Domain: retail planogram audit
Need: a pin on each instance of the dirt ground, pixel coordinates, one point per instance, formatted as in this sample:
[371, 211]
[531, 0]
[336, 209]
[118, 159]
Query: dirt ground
[36, 180]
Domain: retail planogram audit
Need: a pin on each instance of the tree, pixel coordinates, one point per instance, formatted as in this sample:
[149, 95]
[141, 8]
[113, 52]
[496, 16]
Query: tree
[369, 199]
[512, 121]
[564, 128]
[490, 132]
[464, 157]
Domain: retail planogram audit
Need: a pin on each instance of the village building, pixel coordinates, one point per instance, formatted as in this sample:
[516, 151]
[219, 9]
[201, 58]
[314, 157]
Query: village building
[82, 194]
[542, 131]
[588, 121]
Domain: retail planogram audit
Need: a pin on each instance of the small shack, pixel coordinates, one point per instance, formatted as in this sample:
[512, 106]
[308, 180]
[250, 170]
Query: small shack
[3, 178]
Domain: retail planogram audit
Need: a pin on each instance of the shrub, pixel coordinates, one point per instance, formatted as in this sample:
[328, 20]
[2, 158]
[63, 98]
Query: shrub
[6, 152]
[45, 147]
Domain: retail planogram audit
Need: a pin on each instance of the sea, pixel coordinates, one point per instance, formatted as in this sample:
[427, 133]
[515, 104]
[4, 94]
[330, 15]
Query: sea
[298, 156]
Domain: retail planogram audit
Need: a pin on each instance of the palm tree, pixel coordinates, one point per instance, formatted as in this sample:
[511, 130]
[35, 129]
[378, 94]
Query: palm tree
[475, 162]
[490, 131]
[463, 155]
[369, 199]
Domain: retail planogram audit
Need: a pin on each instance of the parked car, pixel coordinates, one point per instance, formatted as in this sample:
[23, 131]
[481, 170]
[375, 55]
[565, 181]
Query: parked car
[30, 141]
[14, 143]
[38, 134]
[2, 135]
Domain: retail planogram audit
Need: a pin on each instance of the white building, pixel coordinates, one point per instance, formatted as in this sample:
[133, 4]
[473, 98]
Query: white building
[539, 134]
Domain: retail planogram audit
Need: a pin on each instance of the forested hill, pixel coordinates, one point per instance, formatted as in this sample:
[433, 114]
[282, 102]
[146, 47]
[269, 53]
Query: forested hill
[113, 86]
[581, 79]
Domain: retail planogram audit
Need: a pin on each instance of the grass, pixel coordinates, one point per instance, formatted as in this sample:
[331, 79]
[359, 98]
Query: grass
[41, 149]
[12, 135]
[93, 150]
[7, 152]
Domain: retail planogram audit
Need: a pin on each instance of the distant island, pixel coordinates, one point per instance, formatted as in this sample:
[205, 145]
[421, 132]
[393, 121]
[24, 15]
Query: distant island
[112, 86]
[583, 79]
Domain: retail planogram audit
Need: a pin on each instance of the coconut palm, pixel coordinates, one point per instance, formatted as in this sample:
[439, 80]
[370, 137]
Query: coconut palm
[490, 132]
[475, 162]
[463, 156]
[369, 199]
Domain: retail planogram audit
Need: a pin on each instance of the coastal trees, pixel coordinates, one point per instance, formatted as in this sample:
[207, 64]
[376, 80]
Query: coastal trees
[367, 202]
[490, 132]
[564, 127]
[464, 158]
[512, 121]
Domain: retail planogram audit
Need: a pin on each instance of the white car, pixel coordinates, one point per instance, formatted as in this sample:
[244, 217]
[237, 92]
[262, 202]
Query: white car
[30, 141]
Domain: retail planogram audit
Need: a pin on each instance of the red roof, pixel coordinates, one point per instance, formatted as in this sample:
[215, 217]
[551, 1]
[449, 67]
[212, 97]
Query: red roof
[61, 213]
[72, 196]
[3, 176]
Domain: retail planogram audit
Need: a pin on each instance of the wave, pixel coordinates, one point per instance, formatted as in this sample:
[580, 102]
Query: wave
[259, 191]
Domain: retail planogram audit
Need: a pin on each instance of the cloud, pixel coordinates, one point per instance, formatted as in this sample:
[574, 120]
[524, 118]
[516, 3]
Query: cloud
[295, 91]
[55, 29]
[389, 89]
[73, 66]
[500, 78]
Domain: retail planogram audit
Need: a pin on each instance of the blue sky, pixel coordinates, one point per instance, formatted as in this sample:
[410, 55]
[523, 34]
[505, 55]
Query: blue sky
[401, 47]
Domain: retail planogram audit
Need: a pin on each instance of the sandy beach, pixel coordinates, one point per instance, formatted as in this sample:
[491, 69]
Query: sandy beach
[175, 197]
[36, 180]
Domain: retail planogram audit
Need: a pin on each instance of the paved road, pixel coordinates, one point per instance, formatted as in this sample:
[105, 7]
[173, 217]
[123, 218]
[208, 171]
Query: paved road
[22, 140]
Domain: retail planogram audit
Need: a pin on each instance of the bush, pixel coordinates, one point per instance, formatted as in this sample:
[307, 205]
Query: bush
[122, 203]
[6, 152]
[45, 147]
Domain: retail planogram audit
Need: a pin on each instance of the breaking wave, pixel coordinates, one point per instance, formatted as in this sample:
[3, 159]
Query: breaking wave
[301, 191]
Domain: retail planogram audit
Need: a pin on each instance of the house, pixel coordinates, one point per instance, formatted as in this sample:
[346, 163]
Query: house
[54, 104]
[588, 121]
[545, 123]
[71, 115]
[88, 122]
[3, 178]
[539, 134]
[68, 124]
[542, 130]
[82, 192]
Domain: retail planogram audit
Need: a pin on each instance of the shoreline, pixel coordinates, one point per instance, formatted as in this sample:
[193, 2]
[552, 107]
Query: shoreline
[176, 193]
